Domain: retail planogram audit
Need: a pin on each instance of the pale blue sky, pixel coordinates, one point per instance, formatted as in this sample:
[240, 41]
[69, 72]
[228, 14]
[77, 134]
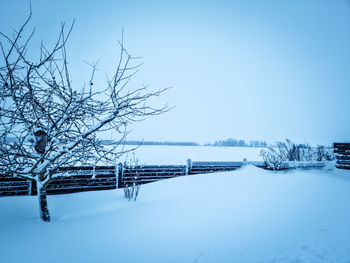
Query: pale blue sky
[265, 70]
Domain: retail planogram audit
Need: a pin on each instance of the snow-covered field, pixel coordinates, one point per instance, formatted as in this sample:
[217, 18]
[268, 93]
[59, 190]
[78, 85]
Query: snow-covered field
[179, 154]
[248, 215]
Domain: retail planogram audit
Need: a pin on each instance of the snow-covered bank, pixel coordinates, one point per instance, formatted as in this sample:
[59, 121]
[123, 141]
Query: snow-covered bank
[149, 154]
[248, 215]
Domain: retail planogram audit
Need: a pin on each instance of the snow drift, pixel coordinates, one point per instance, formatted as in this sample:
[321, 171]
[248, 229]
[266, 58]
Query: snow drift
[247, 215]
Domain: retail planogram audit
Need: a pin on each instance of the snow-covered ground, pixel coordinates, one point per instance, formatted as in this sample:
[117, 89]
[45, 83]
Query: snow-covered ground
[150, 154]
[248, 215]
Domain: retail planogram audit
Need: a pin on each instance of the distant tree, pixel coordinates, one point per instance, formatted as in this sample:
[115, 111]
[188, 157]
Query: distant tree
[46, 123]
[241, 143]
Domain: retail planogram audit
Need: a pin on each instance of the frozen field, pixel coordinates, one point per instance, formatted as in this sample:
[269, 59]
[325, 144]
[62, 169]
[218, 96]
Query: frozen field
[179, 154]
[246, 216]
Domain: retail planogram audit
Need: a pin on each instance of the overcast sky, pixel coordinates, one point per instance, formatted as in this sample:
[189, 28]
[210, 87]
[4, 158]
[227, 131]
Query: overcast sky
[264, 70]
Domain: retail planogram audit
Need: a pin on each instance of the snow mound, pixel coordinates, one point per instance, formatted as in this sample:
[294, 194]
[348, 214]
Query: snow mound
[247, 215]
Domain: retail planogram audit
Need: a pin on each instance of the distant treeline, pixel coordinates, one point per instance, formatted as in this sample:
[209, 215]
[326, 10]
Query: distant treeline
[226, 143]
[238, 143]
[161, 143]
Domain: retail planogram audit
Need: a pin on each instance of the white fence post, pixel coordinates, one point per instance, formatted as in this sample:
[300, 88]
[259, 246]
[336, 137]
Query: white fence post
[120, 174]
[188, 166]
[30, 187]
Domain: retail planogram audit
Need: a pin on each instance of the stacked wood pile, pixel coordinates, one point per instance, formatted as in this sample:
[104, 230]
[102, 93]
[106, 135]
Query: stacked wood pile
[342, 155]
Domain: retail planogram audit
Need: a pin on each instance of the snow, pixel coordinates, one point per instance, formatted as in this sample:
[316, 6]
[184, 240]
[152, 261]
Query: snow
[153, 154]
[247, 215]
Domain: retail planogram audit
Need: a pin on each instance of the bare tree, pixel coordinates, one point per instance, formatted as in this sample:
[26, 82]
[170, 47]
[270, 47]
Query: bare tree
[47, 124]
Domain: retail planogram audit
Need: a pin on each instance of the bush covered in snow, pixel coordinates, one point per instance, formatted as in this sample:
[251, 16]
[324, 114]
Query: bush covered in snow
[276, 158]
[273, 159]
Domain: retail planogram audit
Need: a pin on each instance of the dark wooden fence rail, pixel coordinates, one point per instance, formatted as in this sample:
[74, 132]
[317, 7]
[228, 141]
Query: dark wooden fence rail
[90, 178]
[14, 186]
[86, 178]
[150, 173]
[342, 155]
[212, 167]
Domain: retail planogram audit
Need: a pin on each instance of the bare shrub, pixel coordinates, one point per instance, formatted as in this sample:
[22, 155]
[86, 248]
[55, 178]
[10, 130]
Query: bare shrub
[323, 154]
[131, 190]
[295, 152]
[273, 160]
[287, 151]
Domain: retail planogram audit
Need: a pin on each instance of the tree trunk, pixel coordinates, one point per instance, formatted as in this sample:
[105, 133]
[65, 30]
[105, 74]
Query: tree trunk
[44, 211]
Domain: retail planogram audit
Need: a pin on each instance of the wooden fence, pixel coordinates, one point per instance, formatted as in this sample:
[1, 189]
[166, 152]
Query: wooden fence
[14, 186]
[80, 179]
[90, 178]
[149, 173]
[342, 155]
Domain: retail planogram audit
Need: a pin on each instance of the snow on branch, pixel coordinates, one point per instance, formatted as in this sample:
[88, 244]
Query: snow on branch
[46, 123]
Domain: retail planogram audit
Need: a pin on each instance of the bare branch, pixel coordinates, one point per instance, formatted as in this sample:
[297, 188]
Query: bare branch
[46, 123]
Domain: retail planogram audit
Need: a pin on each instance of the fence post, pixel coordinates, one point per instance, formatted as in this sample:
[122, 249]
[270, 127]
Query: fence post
[188, 166]
[32, 187]
[245, 162]
[119, 174]
[116, 176]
